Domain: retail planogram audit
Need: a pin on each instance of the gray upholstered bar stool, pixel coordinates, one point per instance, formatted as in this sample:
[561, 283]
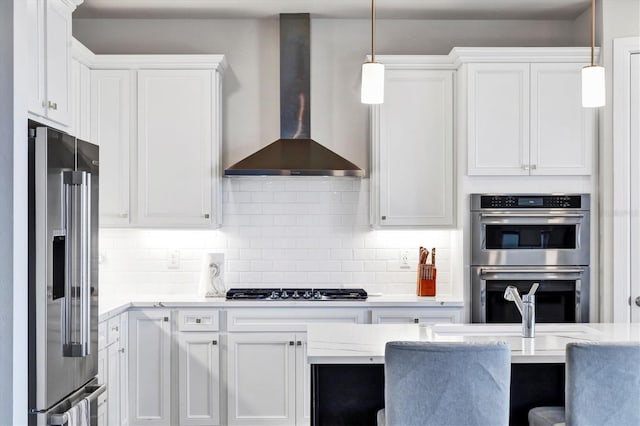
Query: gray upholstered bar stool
[450, 383]
[602, 387]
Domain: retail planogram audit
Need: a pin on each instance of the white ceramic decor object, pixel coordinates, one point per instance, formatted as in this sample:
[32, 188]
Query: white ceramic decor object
[212, 275]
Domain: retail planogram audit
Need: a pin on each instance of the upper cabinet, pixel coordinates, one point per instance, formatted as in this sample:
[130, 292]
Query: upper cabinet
[412, 173]
[49, 51]
[157, 120]
[526, 118]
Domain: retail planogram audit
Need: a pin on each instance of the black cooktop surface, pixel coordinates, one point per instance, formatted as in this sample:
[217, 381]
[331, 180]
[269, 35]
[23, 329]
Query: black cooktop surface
[296, 294]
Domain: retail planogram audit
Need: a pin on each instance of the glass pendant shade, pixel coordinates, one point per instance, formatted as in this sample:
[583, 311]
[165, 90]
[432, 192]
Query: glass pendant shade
[593, 86]
[372, 91]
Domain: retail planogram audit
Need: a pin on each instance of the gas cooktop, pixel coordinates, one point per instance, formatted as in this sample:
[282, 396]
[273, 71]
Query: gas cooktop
[296, 294]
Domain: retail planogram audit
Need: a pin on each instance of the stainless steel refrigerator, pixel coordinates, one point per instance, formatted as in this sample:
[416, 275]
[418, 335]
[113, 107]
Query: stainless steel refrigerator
[63, 277]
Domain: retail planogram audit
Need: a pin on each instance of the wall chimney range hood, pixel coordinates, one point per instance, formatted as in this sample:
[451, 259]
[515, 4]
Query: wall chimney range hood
[295, 153]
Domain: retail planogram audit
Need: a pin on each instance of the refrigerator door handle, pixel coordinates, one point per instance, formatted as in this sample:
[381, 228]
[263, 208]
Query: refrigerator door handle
[77, 223]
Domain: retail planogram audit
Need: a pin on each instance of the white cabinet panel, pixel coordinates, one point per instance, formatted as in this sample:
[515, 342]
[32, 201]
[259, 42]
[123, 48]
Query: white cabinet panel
[113, 385]
[561, 130]
[199, 378]
[110, 128]
[303, 382]
[150, 367]
[498, 119]
[432, 315]
[80, 100]
[413, 150]
[175, 147]
[36, 58]
[261, 378]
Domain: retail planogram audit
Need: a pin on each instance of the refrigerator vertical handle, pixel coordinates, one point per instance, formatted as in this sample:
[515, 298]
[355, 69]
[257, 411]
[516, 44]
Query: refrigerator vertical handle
[77, 223]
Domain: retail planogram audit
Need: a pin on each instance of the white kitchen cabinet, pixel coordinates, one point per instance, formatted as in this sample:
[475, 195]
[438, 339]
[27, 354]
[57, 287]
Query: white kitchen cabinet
[199, 368]
[429, 315]
[49, 55]
[112, 358]
[527, 119]
[412, 170]
[261, 378]
[111, 99]
[80, 123]
[150, 367]
[175, 166]
[157, 119]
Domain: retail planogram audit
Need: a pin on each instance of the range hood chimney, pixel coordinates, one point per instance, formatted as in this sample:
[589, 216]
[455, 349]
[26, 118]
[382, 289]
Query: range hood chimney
[295, 153]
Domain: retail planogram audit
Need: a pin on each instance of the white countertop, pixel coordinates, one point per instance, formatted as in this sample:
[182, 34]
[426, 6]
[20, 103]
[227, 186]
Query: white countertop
[110, 307]
[365, 343]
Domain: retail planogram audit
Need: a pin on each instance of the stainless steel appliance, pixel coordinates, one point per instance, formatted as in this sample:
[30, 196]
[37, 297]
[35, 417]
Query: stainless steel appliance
[522, 239]
[63, 277]
[314, 294]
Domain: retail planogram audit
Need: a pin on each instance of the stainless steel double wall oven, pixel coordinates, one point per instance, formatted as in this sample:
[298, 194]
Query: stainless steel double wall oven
[521, 239]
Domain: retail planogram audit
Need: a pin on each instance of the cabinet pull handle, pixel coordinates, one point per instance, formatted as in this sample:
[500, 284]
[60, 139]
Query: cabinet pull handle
[291, 343]
[52, 105]
[114, 328]
[416, 320]
[214, 342]
[121, 350]
[299, 343]
[525, 167]
[165, 319]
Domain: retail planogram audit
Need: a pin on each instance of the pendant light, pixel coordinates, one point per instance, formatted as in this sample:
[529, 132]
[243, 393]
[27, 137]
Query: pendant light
[372, 90]
[593, 83]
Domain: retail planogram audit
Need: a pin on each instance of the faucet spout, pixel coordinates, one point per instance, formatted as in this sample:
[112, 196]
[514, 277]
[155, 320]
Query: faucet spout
[527, 307]
[511, 294]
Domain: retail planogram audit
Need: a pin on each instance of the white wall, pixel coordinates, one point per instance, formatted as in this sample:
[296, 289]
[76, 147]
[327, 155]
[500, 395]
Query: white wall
[283, 231]
[620, 18]
[338, 47]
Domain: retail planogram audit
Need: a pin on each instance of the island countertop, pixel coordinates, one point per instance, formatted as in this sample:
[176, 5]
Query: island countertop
[365, 343]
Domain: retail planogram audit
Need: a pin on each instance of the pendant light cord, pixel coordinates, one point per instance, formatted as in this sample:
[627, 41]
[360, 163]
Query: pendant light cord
[593, 25]
[373, 30]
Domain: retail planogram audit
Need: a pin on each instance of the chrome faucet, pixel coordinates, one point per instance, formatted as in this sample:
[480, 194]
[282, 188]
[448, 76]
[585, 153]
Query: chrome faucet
[527, 307]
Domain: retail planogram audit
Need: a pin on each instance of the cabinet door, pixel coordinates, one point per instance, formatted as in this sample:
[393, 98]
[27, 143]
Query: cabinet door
[58, 61]
[35, 52]
[124, 369]
[113, 385]
[498, 119]
[303, 382]
[413, 150]
[150, 365]
[175, 147]
[562, 131]
[110, 127]
[199, 371]
[80, 100]
[261, 378]
[435, 315]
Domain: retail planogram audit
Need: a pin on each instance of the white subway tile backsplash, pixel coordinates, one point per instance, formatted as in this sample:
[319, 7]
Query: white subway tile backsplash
[280, 231]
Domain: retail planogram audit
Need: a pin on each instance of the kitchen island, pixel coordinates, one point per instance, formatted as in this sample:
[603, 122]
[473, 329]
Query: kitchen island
[347, 362]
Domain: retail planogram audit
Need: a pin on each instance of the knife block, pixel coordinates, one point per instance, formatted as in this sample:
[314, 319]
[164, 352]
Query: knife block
[426, 280]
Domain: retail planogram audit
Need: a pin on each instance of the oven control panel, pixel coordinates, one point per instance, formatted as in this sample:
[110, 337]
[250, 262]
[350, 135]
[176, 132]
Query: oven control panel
[531, 201]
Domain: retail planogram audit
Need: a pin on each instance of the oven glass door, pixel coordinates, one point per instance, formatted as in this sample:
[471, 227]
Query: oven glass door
[555, 301]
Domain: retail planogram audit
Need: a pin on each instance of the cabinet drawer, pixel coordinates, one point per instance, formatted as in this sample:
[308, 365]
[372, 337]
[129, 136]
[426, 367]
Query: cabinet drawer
[431, 315]
[290, 319]
[199, 320]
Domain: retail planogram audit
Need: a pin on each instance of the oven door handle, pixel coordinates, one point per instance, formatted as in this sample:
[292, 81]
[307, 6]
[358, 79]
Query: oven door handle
[530, 271]
[535, 215]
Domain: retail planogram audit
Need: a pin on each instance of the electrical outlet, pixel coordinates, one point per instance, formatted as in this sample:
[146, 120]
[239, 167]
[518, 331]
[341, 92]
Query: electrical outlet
[173, 259]
[404, 259]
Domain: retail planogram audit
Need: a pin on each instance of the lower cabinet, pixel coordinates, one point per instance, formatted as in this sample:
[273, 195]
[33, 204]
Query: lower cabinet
[262, 378]
[431, 315]
[113, 370]
[150, 366]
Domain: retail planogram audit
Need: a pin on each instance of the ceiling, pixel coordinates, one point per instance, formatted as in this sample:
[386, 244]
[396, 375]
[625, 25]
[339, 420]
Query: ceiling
[385, 9]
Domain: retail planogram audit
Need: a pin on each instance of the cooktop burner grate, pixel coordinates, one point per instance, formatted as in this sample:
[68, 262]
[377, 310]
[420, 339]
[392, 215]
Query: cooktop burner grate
[296, 294]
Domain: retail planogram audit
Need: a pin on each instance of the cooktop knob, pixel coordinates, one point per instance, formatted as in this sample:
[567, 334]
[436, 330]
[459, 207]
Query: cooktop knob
[307, 294]
[317, 295]
[295, 294]
[274, 295]
[284, 294]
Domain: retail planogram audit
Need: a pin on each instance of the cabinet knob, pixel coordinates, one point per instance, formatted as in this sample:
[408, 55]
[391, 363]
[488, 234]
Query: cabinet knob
[123, 215]
[206, 215]
[52, 105]
[114, 328]
[525, 167]
[214, 342]
[198, 320]
[638, 301]
[299, 343]
[165, 319]
[533, 167]
[384, 218]
[121, 350]
[291, 343]
[416, 320]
